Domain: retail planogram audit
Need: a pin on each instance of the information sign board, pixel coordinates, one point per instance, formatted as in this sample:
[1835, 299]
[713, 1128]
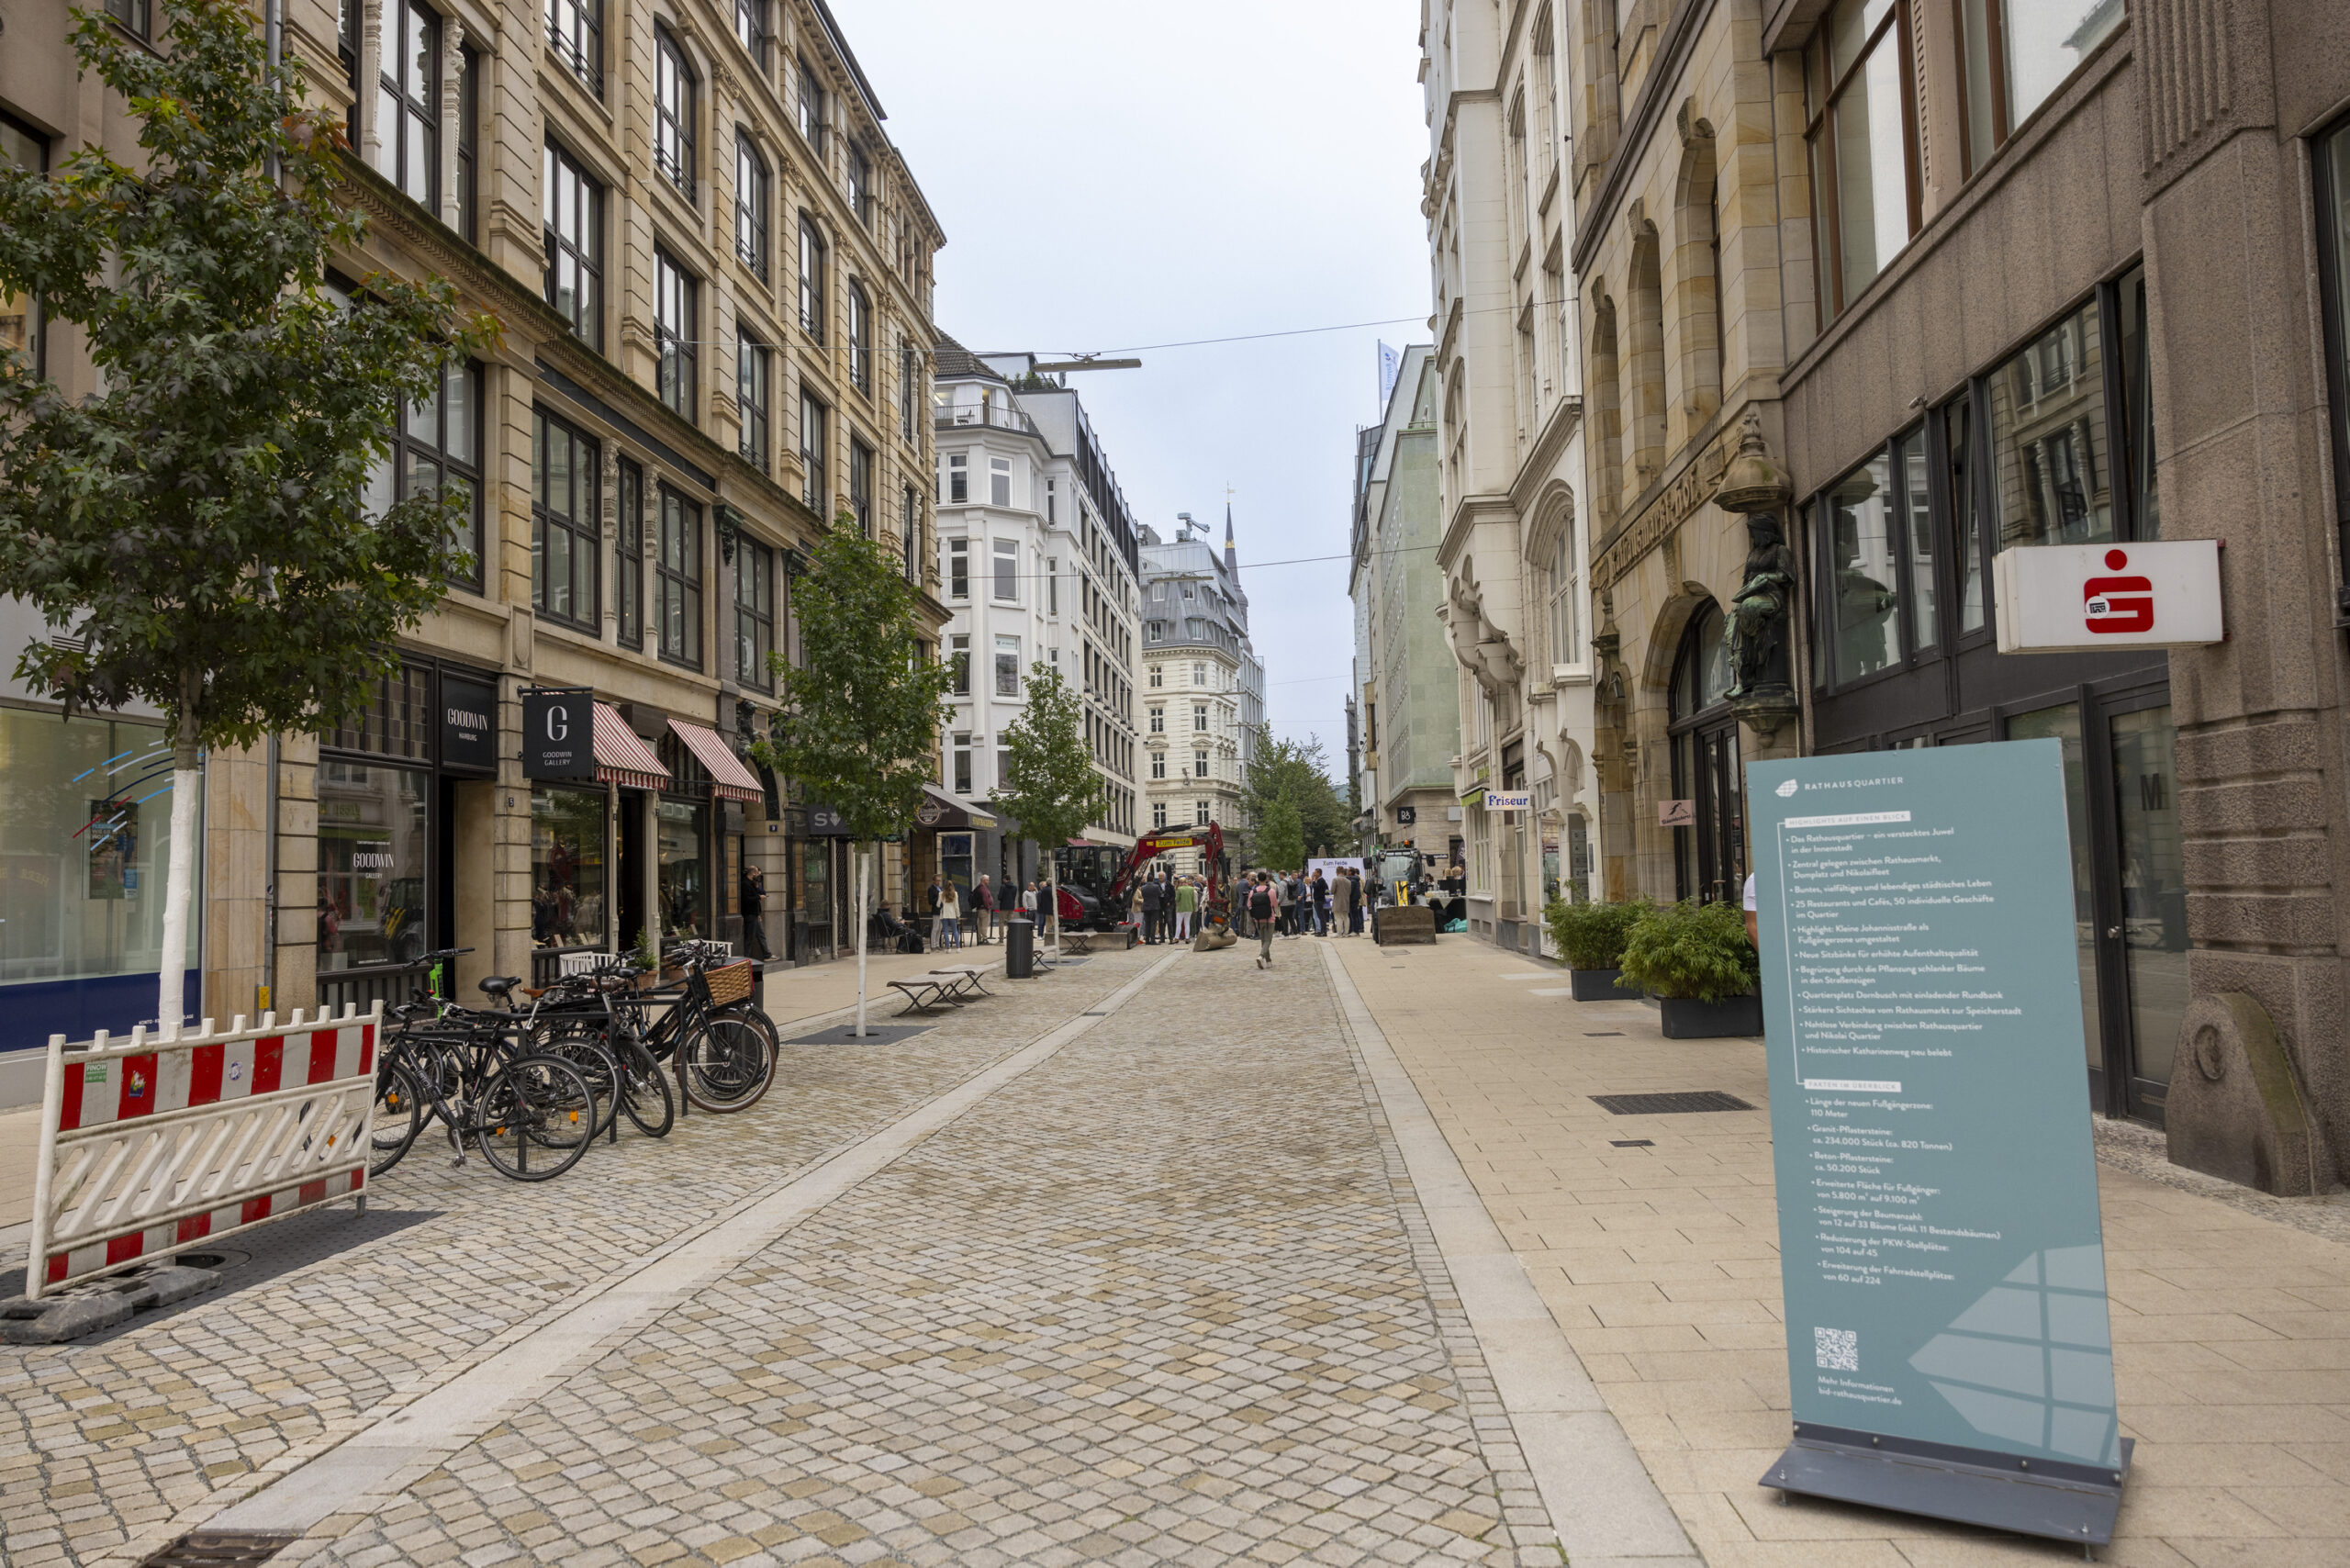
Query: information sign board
[1939, 1239]
[558, 732]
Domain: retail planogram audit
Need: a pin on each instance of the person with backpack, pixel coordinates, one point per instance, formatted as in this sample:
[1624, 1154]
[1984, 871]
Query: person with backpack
[1261, 915]
[1289, 903]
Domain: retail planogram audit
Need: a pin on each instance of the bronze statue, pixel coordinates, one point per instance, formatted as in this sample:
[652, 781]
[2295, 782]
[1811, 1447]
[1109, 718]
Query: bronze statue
[1761, 615]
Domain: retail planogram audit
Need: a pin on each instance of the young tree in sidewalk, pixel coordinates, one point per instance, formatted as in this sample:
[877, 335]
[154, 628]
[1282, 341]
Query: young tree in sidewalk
[194, 531]
[861, 716]
[1297, 773]
[1280, 842]
[1049, 785]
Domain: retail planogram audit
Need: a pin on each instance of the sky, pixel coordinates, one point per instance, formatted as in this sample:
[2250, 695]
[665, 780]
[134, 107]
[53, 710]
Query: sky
[1112, 176]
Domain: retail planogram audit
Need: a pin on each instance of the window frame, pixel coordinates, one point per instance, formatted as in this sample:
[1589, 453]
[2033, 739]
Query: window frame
[36, 318]
[752, 206]
[468, 143]
[1003, 588]
[676, 309]
[1823, 91]
[958, 583]
[859, 179]
[628, 556]
[861, 465]
[816, 444]
[676, 102]
[753, 371]
[753, 614]
[808, 117]
[956, 483]
[958, 665]
[2332, 178]
[751, 30]
[908, 400]
[677, 588]
[416, 104]
[815, 257]
[860, 336]
[407, 448]
[581, 523]
[997, 653]
[136, 18]
[580, 45]
[561, 170]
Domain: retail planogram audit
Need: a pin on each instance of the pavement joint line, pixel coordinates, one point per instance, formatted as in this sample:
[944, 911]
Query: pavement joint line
[1602, 1500]
[351, 1472]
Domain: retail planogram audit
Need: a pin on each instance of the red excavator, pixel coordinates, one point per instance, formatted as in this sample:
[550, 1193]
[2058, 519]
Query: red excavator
[1097, 879]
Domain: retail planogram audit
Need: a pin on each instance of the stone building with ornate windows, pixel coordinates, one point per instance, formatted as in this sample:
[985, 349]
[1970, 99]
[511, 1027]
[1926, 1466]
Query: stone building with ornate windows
[1201, 685]
[713, 274]
[1497, 193]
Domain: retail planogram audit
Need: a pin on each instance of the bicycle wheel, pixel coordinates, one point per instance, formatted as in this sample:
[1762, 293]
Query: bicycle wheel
[584, 1046]
[399, 1116]
[537, 1116]
[644, 1094]
[726, 1065]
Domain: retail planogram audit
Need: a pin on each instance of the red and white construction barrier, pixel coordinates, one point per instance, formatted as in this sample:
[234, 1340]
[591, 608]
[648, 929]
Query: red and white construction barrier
[150, 1144]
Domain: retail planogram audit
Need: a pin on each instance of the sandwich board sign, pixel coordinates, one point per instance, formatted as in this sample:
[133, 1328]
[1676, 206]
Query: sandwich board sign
[1949, 1347]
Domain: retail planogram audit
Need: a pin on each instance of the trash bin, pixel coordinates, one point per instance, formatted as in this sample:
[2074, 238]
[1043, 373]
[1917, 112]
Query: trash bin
[1019, 949]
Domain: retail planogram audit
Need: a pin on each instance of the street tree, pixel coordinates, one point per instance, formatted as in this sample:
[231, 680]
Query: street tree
[1049, 785]
[192, 530]
[1297, 772]
[1280, 842]
[860, 720]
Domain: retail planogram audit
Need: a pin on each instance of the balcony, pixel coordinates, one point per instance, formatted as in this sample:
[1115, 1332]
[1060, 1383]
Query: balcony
[975, 416]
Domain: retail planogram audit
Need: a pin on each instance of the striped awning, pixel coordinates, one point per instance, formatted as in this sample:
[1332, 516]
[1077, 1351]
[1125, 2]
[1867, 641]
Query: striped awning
[729, 780]
[620, 757]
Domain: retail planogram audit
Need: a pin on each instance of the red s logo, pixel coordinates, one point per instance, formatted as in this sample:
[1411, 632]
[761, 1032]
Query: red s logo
[2118, 604]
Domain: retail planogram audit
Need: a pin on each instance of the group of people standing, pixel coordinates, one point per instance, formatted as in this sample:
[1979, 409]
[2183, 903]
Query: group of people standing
[985, 908]
[1285, 903]
[1167, 906]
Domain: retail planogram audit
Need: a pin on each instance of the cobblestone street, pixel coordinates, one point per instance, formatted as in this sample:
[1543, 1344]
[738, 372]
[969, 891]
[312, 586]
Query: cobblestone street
[1166, 1295]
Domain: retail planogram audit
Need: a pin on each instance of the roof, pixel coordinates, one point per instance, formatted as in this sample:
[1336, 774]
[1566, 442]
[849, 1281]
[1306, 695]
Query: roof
[957, 363]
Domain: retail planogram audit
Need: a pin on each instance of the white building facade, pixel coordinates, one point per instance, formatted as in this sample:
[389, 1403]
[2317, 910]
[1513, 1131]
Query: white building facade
[1203, 686]
[1513, 549]
[1037, 561]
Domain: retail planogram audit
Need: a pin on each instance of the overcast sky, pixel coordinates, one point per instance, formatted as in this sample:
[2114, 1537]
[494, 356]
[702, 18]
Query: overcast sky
[1111, 177]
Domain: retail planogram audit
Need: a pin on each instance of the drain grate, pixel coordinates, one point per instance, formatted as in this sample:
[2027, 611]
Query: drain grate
[1668, 1104]
[1631, 1143]
[219, 1549]
[1603, 1034]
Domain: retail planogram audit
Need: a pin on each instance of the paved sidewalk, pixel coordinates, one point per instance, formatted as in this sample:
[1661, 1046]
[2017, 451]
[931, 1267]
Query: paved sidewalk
[2232, 1331]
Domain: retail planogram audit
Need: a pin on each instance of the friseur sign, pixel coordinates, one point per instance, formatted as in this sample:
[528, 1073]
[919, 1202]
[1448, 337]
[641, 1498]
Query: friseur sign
[1941, 1246]
[558, 734]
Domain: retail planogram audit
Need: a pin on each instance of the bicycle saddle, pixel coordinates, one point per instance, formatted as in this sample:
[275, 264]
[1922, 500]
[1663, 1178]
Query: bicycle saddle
[497, 986]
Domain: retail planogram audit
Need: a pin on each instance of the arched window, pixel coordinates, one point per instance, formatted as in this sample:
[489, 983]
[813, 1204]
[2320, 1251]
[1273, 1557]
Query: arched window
[1709, 853]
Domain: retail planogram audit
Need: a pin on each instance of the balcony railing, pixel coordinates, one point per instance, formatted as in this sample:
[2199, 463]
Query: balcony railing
[992, 415]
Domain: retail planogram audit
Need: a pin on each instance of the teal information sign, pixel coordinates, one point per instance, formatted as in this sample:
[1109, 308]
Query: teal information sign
[1939, 1232]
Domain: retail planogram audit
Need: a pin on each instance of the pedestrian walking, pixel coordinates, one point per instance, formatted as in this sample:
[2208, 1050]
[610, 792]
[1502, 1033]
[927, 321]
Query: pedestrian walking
[1346, 899]
[930, 898]
[1028, 900]
[950, 923]
[1186, 902]
[755, 914]
[1320, 889]
[1260, 913]
[1289, 904]
[982, 911]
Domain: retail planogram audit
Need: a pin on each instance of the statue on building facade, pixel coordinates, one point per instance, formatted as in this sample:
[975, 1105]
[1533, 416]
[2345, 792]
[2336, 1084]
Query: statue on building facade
[1761, 664]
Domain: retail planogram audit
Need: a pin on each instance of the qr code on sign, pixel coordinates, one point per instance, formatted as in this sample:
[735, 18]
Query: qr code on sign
[1837, 1350]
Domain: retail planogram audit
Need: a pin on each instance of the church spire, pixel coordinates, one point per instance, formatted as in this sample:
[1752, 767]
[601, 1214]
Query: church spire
[1231, 561]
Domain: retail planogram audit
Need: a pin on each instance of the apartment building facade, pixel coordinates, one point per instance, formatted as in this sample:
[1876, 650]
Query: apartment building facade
[713, 274]
[1203, 685]
[1038, 561]
[1516, 530]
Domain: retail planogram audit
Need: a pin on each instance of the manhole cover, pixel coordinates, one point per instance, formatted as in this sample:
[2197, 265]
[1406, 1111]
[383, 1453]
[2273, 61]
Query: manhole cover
[1668, 1104]
[219, 1549]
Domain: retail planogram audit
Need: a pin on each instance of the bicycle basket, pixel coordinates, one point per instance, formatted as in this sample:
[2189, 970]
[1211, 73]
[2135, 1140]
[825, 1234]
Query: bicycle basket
[732, 983]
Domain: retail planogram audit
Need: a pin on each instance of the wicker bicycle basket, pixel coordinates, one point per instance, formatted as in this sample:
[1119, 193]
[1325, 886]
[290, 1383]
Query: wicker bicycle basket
[731, 983]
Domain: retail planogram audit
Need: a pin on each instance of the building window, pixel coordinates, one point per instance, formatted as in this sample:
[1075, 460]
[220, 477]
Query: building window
[860, 338]
[1199, 674]
[812, 279]
[1199, 813]
[1199, 717]
[753, 614]
[2012, 56]
[564, 505]
[1158, 765]
[812, 108]
[2333, 163]
[1007, 571]
[750, 204]
[1863, 606]
[958, 569]
[751, 29]
[860, 185]
[860, 485]
[407, 100]
[1052, 585]
[574, 215]
[751, 365]
[1862, 131]
[576, 34]
[673, 331]
[468, 132]
[815, 440]
[959, 479]
[1007, 667]
[628, 557]
[958, 664]
[1155, 678]
[909, 368]
[678, 580]
[1566, 588]
[962, 764]
[131, 14]
[1199, 765]
[910, 532]
[1158, 721]
[437, 442]
[2047, 438]
[673, 112]
[1158, 814]
[999, 481]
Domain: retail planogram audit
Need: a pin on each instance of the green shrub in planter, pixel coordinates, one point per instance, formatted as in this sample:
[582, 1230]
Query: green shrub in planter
[1691, 952]
[1590, 936]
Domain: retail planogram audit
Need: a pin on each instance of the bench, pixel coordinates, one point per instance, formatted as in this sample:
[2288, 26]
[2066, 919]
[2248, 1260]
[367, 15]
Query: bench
[1078, 943]
[951, 986]
[966, 977]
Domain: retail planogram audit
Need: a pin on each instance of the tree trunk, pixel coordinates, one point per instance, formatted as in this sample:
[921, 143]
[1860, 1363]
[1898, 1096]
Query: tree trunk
[179, 875]
[862, 853]
[1053, 893]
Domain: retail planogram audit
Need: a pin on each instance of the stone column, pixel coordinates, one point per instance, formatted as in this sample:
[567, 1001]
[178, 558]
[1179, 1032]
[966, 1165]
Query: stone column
[453, 57]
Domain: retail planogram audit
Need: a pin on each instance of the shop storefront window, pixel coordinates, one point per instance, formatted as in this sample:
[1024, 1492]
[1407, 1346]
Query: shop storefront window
[1862, 600]
[372, 838]
[682, 850]
[2062, 722]
[2052, 470]
[86, 827]
[568, 885]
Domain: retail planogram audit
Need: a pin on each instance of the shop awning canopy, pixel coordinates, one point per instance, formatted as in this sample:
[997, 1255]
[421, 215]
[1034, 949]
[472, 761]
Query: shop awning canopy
[620, 757]
[729, 780]
[941, 810]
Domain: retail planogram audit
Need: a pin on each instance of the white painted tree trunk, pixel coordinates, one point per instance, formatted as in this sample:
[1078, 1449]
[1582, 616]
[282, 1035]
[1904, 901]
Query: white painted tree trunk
[1053, 886]
[179, 883]
[863, 859]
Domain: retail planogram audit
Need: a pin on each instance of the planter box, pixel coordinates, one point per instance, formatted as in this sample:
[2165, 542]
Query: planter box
[1403, 924]
[1601, 985]
[1686, 1020]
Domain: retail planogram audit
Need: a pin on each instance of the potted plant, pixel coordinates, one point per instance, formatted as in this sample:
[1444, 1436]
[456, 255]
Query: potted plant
[1590, 937]
[1695, 961]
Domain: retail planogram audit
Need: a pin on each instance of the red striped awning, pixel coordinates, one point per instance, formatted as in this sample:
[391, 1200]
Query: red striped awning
[620, 757]
[729, 780]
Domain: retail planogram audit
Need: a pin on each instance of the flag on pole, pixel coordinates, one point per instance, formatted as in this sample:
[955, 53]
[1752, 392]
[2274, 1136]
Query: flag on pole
[1391, 364]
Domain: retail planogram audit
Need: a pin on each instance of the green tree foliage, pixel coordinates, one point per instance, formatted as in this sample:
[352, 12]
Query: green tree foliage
[859, 725]
[1299, 775]
[1049, 785]
[196, 527]
[1279, 842]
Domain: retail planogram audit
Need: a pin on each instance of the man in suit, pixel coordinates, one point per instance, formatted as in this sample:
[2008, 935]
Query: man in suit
[1152, 896]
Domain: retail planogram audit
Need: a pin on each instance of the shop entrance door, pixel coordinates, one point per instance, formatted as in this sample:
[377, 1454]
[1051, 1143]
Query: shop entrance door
[1709, 854]
[2129, 889]
[629, 894]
